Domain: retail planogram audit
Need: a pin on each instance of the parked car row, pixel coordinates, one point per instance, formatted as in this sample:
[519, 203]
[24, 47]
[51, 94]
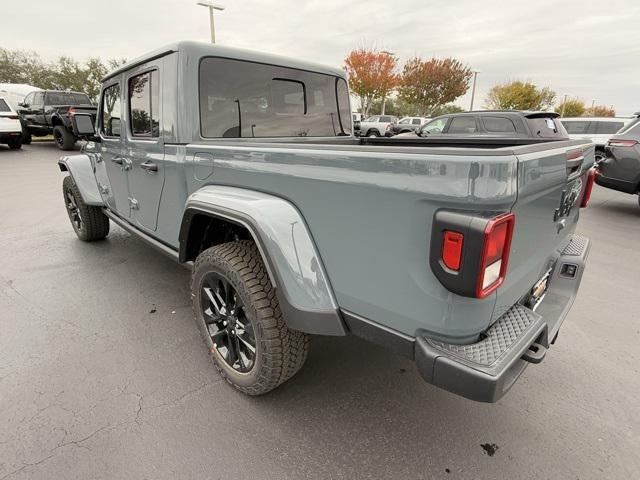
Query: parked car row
[10, 127]
[620, 167]
[597, 129]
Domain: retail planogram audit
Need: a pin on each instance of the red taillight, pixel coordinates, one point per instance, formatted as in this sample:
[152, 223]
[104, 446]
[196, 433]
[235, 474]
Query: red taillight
[574, 154]
[588, 188]
[621, 143]
[452, 249]
[71, 111]
[495, 254]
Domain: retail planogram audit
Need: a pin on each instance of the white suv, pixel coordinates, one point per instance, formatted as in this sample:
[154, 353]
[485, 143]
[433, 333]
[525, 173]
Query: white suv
[597, 129]
[10, 127]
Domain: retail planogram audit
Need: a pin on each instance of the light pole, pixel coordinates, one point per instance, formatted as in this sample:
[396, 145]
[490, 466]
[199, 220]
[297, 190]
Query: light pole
[564, 104]
[212, 6]
[473, 89]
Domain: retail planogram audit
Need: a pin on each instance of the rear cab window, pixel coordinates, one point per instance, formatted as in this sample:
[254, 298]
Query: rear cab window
[4, 107]
[546, 127]
[66, 98]
[242, 99]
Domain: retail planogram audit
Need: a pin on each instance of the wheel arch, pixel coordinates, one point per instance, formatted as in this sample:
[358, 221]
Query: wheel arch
[284, 242]
[81, 170]
[56, 120]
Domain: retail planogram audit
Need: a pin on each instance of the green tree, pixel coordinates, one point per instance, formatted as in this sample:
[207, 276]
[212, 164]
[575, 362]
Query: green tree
[519, 95]
[572, 107]
[17, 66]
[431, 84]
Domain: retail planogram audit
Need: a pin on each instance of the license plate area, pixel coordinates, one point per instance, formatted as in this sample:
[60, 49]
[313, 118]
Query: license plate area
[538, 291]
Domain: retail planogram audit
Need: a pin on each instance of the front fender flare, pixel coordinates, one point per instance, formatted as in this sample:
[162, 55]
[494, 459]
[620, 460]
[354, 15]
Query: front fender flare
[287, 248]
[81, 170]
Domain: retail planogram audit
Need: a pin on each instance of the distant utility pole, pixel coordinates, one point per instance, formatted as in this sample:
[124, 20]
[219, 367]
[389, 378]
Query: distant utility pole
[473, 89]
[564, 104]
[212, 6]
[593, 104]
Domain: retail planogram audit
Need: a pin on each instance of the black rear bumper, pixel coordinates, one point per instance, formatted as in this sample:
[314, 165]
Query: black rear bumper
[485, 371]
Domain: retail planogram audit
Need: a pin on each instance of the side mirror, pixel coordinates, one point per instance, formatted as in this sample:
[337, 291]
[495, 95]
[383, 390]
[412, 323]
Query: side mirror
[83, 126]
[23, 105]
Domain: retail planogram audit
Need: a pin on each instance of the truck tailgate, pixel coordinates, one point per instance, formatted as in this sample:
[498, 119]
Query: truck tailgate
[550, 186]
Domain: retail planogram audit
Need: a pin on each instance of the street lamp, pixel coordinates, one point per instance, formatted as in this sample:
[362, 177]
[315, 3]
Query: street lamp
[473, 89]
[212, 6]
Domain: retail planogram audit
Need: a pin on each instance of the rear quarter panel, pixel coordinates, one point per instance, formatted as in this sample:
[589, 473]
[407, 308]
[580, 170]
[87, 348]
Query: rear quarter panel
[370, 213]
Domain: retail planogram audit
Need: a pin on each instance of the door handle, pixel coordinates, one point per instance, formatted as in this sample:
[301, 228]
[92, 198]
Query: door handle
[149, 166]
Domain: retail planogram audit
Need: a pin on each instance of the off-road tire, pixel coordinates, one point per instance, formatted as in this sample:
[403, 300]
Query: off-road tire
[280, 351]
[95, 224]
[64, 138]
[15, 143]
[373, 133]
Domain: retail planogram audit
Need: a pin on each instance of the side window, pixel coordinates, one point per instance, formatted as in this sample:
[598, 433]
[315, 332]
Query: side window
[416, 121]
[385, 119]
[463, 125]
[435, 126]
[288, 97]
[28, 100]
[144, 103]
[38, 99]
[608, 128]
[111, 109]
[576, 127]
[498, 125]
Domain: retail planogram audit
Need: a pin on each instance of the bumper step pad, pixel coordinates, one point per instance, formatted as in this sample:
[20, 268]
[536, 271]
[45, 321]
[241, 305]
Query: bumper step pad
[499, 338]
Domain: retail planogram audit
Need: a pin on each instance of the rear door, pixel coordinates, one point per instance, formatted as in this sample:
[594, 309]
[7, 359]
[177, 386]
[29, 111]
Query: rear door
[144, 142]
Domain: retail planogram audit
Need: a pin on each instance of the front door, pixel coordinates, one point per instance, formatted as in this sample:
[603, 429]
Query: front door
[112, 165]
[145, 146]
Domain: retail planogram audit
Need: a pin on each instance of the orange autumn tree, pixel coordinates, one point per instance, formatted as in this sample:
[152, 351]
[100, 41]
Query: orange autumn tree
[600, 111]
[371, 75]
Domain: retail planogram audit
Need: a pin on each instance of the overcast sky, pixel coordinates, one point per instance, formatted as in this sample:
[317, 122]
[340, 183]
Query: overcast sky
[584, 48]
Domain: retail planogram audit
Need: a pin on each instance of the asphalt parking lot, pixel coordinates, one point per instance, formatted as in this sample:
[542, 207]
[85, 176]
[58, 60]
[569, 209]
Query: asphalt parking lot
[103, 374]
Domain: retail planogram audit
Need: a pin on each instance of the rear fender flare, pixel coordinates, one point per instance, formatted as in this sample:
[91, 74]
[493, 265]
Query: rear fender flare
[81, 170]
[287, 248]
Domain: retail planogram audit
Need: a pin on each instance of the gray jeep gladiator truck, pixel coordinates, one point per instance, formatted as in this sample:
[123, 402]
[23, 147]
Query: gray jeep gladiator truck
[242, 166]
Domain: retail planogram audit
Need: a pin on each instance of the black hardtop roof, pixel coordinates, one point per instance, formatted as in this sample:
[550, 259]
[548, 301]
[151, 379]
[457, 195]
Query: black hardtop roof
[61, 91]
[519, 113]
[201, 49]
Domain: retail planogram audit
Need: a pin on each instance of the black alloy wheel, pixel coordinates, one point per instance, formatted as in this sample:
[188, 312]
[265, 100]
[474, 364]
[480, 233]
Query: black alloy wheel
[72, 209]
[230, 330]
